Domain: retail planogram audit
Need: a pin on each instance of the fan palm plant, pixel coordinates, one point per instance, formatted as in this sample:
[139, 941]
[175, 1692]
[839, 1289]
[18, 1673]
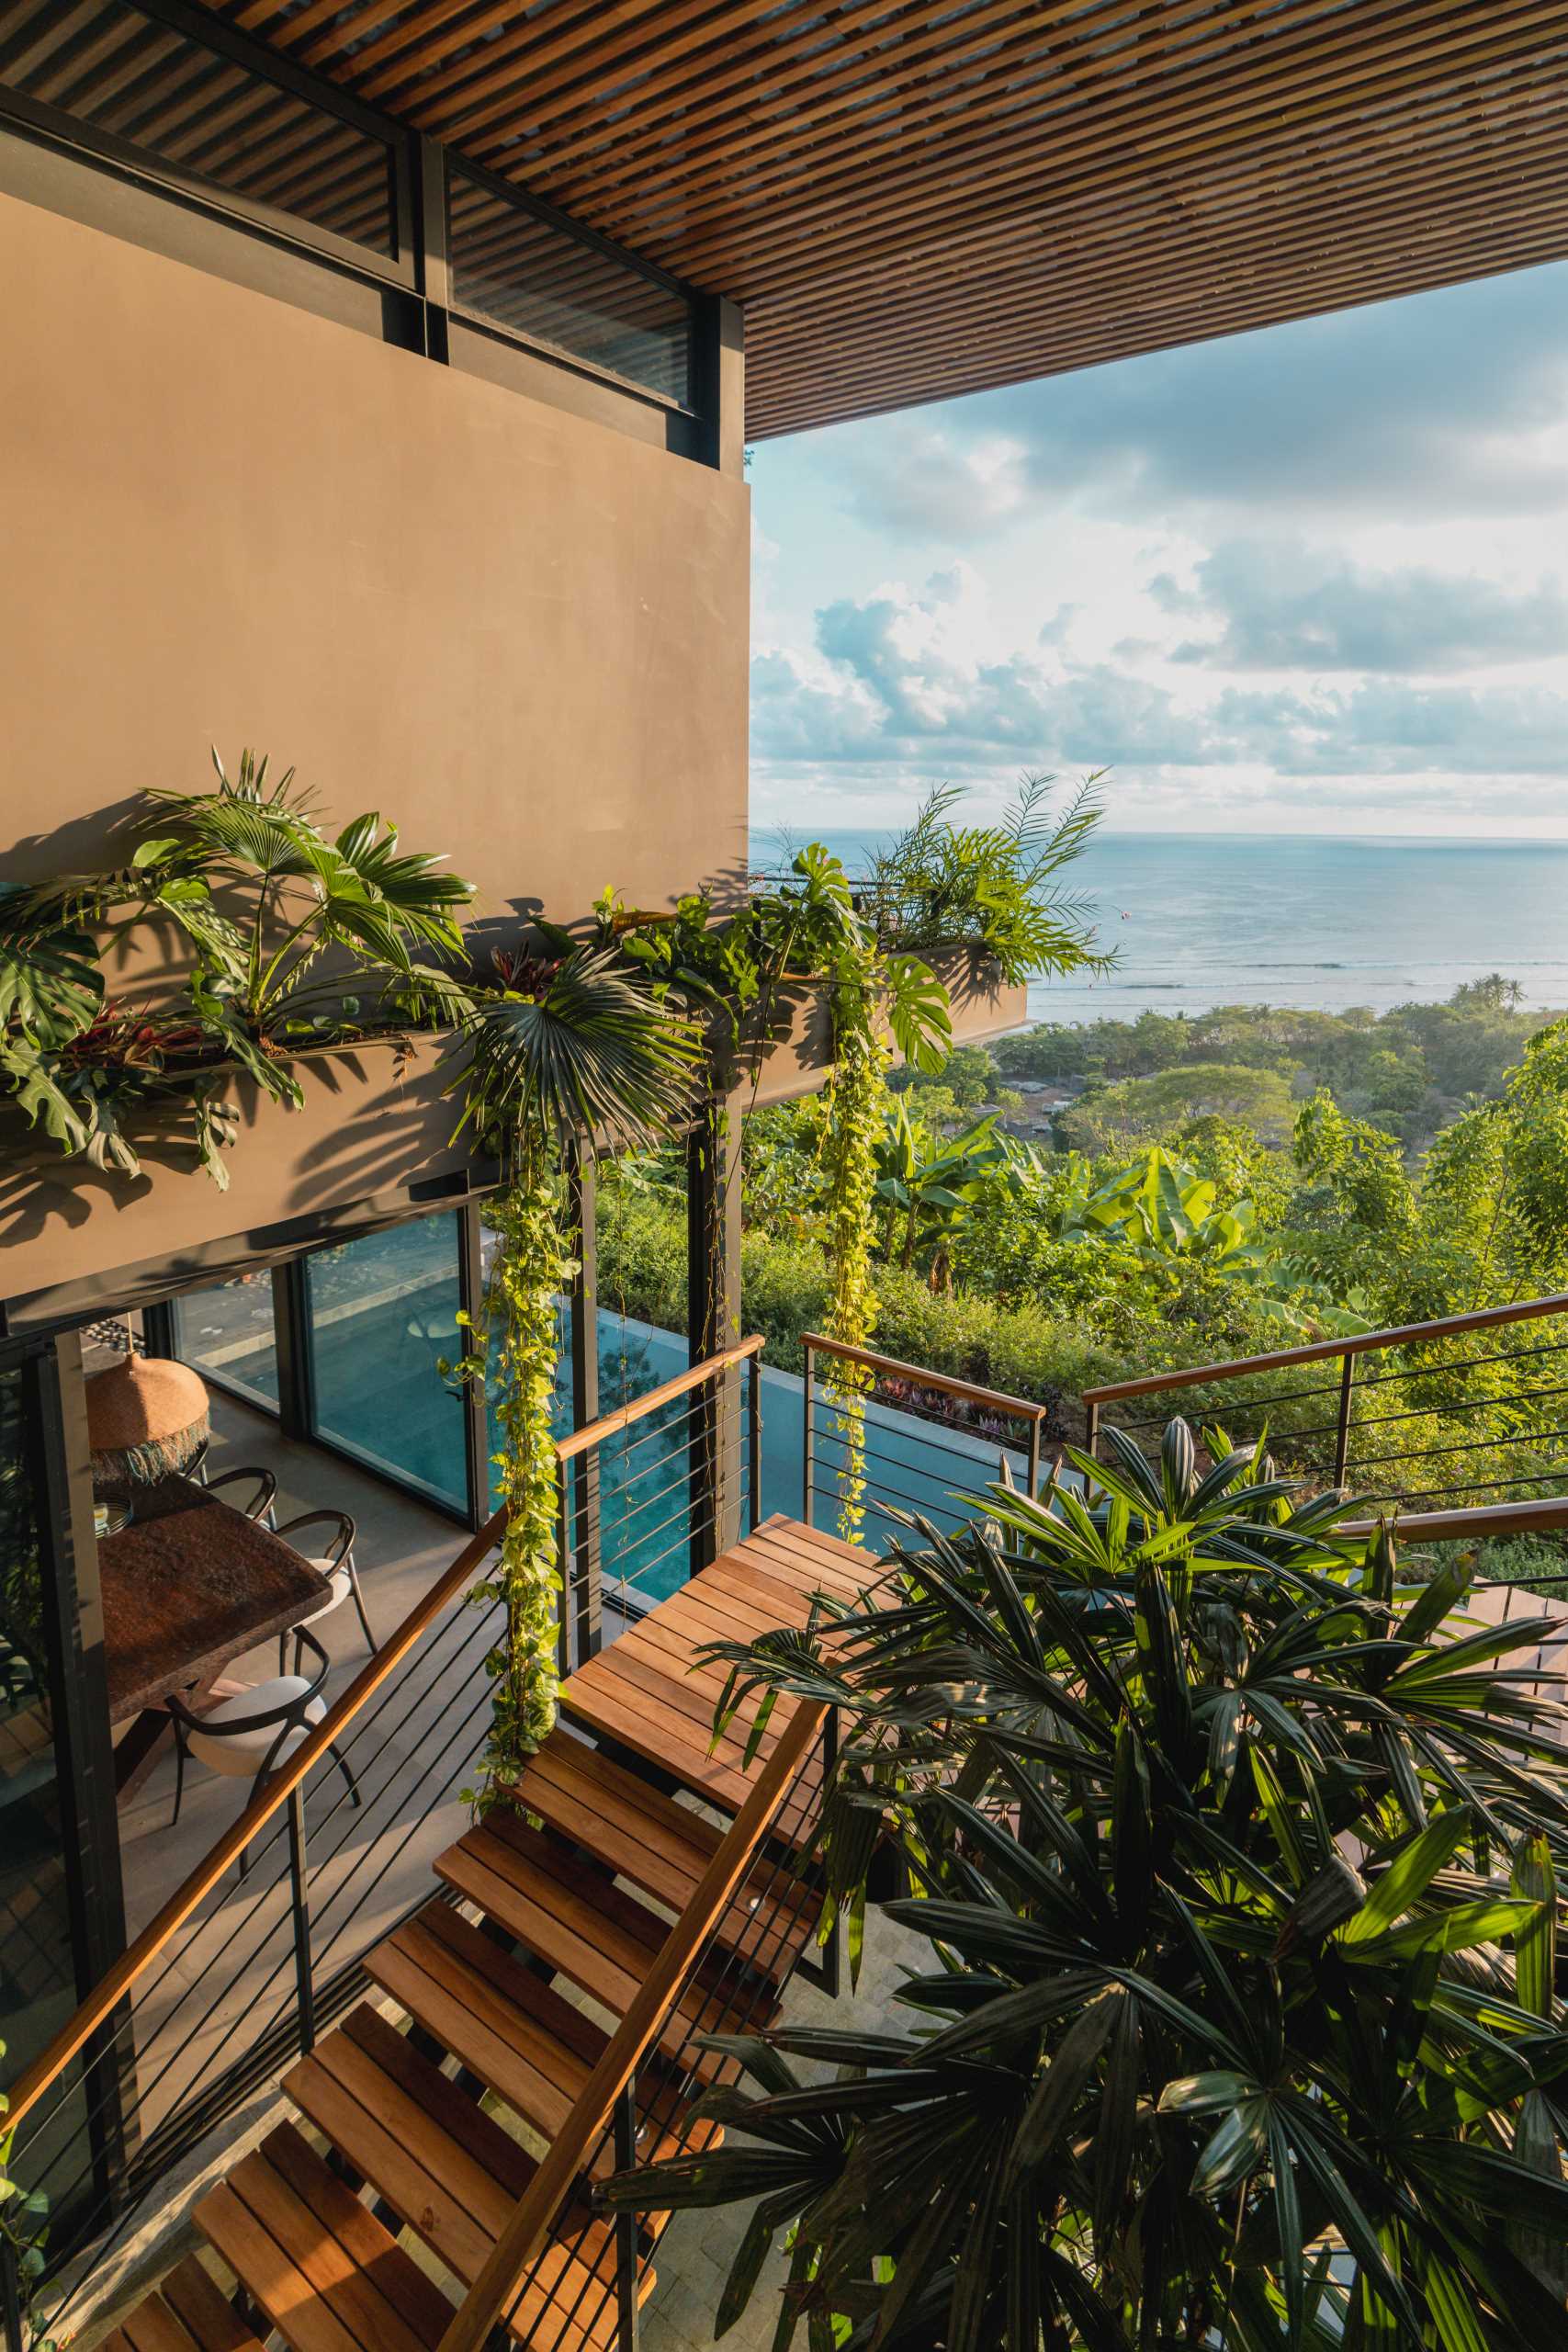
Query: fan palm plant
[580, 1054]
[1240, 1879]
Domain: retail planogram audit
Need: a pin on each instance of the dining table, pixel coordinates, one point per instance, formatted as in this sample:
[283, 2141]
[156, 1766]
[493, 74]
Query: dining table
[188, 1584]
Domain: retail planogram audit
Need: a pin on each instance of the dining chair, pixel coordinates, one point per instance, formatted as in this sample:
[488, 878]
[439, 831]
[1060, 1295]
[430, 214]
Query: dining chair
[261, 1506]
[335, 1562]
[248, 1736]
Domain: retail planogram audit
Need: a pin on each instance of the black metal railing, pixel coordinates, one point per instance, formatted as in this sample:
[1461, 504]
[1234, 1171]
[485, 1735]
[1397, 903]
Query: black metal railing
[651, 1494]
[1469, 1406]
[882, 1437]
[261, 1948]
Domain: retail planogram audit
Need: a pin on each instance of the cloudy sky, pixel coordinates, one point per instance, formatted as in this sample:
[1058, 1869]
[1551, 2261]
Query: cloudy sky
[1313, 579]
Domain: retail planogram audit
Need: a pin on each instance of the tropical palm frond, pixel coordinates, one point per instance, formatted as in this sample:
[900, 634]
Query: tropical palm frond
[595, 1053]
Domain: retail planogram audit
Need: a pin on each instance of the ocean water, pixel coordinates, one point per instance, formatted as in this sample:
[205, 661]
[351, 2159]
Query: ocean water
[1200, 919]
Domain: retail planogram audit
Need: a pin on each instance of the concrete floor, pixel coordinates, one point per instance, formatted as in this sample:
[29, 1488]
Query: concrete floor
[243, 1944]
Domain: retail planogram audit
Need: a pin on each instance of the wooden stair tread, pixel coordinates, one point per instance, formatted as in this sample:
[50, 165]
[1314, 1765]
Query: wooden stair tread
[534, 2049]
[328, 2278]
[579, 1924]
[643, 1694]
[186, 2313]
[449, 2171]
[661, 1847]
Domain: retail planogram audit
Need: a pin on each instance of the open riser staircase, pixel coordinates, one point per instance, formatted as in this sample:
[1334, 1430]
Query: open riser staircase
[421, 2121]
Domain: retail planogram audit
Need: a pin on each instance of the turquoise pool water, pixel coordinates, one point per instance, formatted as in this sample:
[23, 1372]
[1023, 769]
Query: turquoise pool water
[382, 1317]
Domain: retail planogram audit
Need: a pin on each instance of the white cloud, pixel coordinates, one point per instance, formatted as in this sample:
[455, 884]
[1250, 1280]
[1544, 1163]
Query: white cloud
[1312, 570]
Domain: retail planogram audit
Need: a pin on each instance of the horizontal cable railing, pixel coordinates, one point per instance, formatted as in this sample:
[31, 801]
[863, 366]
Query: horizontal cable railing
[652, 1493]
[634, 2101]
[1469, 1408]
[228, 1983]
[884, 1437]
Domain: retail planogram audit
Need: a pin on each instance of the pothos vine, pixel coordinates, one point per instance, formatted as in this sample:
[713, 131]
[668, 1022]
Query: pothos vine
[515, 1350]
[855, 1105]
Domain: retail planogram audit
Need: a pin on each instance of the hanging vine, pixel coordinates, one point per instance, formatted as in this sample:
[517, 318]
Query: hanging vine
[856, 1112]
[570, 1050]
[516, 1346]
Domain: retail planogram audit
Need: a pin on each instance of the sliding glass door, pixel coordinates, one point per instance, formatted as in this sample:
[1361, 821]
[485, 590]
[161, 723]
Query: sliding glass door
[228, 1333]
[380, 1316]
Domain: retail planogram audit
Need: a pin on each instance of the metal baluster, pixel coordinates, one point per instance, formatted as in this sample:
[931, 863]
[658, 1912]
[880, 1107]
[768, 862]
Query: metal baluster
[565, 1568]
[807, 1469]
[832, 1951]
[300, 1902]
[754, 1441]
[626, 2336]
[1342, 1437]
[1033, 1458]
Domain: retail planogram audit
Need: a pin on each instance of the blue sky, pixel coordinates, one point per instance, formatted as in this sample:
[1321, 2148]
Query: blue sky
[1311, 580]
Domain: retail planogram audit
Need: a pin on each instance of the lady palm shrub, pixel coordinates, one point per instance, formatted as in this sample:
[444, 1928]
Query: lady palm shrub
[1238, 1866]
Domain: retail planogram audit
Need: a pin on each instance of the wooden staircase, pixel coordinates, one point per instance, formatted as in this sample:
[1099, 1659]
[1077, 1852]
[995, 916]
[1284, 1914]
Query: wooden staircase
[410, 2108]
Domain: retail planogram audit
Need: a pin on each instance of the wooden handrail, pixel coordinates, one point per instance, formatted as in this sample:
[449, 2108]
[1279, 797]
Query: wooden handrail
[520, 2241]
[1455, 1526]
[1025, 1408]
[121, 1979]
[1483, 1319]
[138, 1956]
[579, 1441]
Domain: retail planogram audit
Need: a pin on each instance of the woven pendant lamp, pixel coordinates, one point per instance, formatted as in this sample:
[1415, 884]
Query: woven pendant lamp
[147, 1418]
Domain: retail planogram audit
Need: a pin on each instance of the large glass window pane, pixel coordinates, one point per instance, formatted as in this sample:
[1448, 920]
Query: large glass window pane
[553, 288]
[228, 1334]
[163, 94]
[381, 1315]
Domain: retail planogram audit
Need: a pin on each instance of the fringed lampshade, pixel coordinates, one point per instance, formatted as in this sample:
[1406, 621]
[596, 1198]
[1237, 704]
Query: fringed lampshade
[147, 1418]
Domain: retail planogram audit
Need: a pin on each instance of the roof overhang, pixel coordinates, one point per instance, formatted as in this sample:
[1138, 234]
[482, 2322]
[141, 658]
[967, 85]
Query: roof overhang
[919, 201]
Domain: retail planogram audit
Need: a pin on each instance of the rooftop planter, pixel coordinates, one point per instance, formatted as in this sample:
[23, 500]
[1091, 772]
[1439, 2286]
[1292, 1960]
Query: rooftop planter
[982, 1005]
[373, 1123]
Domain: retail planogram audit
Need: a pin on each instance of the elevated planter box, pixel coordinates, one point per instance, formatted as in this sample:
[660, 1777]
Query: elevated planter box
[373, 1136]
[983, 1007]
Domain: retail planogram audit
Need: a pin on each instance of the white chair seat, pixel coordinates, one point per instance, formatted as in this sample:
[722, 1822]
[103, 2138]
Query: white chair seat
[338, 1578]
[242, 1754]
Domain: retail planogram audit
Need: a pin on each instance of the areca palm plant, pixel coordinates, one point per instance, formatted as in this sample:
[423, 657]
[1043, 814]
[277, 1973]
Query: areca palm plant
[1239, 1875]
[574, 1054]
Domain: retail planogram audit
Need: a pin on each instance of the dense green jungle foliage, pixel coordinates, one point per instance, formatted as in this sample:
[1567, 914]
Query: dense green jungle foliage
[1229, 1226]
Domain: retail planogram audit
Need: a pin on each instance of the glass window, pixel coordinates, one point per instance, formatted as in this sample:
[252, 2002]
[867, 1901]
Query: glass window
[38, 1977]
[229, 1335]
[555, 288]
[381, 1315]
[155, 91]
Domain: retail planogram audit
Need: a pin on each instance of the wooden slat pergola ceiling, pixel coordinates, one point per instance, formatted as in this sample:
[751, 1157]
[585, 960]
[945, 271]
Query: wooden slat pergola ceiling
[919, 200]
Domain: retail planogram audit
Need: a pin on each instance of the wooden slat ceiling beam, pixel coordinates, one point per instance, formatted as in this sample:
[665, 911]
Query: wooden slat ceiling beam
[915, 199]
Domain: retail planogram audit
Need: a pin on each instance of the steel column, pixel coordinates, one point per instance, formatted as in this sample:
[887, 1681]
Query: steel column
[299, 1904]
[626, 2321]
[583, 1477]
[713, 1260]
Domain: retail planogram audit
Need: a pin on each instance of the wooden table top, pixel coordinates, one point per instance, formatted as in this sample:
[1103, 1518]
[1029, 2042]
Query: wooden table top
[189, 1586]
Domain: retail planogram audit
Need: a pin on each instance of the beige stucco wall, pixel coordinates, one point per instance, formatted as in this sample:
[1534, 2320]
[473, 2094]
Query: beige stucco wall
[223, 519]
[520, 634]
